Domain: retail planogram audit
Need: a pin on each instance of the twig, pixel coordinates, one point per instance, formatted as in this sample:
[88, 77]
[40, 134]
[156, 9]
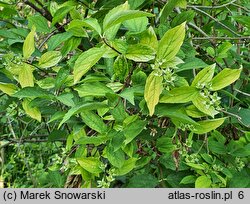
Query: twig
[37, 1]
[244, 93]
[104, 40]
[46, 39]
[231, 114]
[45, 13]
[242, 7]
[216, 20]
[214, 7]
[221, 38]
[41, 11]
[198, 29]
[11, 128]
[6, 144]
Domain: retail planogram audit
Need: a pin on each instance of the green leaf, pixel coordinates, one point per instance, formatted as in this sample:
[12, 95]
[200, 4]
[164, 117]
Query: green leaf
[194, 112]
[93, 24]
[207, 157]
[81, 107]
[61, 13]
[217, 147]
[87, 89]
[225, 78]
[191, 63]
[85, 61]
[223, 49]
[9, 89]
[203, 104]
[243, 114]
[133, 129]
[112, 19]
[91, 164]
[188, 179]
[33, 112]
[208, 125]
[49, 59]
[180, 95]
[149, 38]
[239, 179]
[203, 182]
[140, 53]
[66, 98]
[218, 136]
[33, 92]
[135, 4]
[165, 145]
[117, 140]
[137, 24]
[153, 89]
[185, 16]
[175, 112]
[70, 45]
[120, 67]
[57, 39]
[55, 179]
[116, 158]
[204, 76]
[57, 135]
[130, 93]
[46, 83]
[56, 116]
[128, 166]
[39, 22]
[29, 44]
[95, 140]
[25, 76]
[196, 166]
[143, 181]
[77, 29]
[245, 20]
[94, 121]
[170, 43]
[168, 8]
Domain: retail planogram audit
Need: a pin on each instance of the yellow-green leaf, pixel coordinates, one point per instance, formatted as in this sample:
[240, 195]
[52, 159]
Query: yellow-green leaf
[29, 44]
[203, 105]
[25, 76]
[120, 67]
[49, 59]
[94, 121]
[9, 89]
[203, 182]
[116, 158]
[133, 129]
[225, 78]
[126, 167]
[114, 18]
[170, 43]
[140, 53]
[208, 125]
[204, 76]
[33, 112]
[153, 89]
[194, 112]
[148, 37]
[180, 95]
[91, 164]
[136, 25]
[111, 32]
[86, 60]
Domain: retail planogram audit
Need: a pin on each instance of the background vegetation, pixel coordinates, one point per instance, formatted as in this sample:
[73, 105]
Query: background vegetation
[142, 93]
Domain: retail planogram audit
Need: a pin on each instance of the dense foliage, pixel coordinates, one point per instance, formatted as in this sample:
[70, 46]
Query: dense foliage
[125, 94]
